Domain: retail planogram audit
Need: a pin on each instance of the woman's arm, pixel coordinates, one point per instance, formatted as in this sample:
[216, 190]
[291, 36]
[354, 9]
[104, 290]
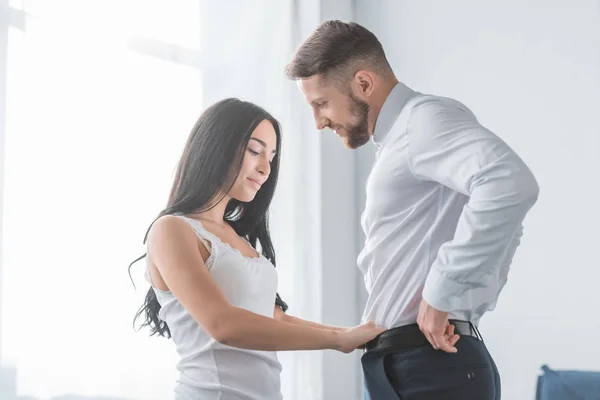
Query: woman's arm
[279, 315]
[173, 249]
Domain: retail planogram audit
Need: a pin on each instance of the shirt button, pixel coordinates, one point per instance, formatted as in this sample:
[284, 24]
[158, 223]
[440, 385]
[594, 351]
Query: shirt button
[471, 375]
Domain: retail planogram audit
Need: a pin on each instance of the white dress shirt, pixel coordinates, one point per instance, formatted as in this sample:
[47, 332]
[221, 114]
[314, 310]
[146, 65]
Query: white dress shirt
[446, 199]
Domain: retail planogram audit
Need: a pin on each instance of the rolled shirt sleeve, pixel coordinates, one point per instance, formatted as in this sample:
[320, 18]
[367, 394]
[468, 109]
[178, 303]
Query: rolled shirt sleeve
[446, 144]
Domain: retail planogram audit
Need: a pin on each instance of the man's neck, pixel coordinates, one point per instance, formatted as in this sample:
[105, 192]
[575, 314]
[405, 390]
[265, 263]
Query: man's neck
[378, 99]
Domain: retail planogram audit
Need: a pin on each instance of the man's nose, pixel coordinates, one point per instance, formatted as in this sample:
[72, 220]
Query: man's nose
[321, 123]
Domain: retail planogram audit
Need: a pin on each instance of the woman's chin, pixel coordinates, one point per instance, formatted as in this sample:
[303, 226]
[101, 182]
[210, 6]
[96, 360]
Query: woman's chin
[245, 197]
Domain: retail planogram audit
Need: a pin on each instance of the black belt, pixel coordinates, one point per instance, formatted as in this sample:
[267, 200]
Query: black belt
[410, 336]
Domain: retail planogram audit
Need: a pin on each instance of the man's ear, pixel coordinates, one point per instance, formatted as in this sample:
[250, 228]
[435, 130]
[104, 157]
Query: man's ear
[364, 83]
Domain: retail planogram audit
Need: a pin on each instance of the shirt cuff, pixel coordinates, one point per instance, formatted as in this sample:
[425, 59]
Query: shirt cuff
[447, 295]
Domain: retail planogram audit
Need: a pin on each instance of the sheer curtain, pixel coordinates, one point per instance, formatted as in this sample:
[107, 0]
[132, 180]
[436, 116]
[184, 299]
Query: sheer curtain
[100, 98]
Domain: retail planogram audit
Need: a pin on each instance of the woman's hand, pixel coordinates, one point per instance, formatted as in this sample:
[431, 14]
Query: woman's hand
[350, 339]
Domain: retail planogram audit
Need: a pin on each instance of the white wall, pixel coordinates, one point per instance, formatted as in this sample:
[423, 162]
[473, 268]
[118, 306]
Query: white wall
[530, 70]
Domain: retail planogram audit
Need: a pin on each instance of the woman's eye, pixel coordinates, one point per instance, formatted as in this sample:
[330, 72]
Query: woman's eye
[254, 153]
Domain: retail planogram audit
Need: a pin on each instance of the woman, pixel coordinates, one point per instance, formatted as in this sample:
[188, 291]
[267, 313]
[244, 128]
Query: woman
[212, 292]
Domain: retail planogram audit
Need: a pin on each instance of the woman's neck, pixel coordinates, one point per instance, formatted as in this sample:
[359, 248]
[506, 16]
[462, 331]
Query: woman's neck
[215, 214]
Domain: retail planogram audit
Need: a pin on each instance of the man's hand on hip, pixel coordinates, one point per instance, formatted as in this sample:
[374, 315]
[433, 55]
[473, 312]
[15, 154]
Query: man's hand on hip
[438, 331]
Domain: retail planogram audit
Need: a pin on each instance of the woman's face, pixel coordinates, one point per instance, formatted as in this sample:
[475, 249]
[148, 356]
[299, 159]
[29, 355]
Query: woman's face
[256, 167]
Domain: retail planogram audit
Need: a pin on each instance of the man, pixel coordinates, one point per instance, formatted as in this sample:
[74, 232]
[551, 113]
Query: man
[446, 199]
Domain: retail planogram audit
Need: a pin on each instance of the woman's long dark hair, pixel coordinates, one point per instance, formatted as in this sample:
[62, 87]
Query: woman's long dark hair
[210, 163]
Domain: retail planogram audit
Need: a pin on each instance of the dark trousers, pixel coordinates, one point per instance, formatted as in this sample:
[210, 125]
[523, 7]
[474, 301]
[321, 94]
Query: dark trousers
[423, 373]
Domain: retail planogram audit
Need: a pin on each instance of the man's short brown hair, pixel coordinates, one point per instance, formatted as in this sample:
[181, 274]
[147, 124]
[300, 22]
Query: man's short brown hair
[336, 49]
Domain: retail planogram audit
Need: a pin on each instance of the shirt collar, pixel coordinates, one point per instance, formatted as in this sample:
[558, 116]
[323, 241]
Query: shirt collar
[392, 106]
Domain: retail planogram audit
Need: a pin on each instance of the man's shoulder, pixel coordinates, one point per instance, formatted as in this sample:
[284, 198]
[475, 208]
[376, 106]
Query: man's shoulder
[419, 105]
[427, 109]
[431, 102]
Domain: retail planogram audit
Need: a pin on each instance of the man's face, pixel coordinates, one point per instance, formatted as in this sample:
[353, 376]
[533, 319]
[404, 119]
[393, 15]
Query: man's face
[339, 110]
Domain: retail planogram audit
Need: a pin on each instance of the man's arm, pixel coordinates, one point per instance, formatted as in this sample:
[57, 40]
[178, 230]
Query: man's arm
[503, 273]
[446, 144]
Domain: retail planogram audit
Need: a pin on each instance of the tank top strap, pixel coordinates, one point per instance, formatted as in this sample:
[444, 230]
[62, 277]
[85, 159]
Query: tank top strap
[205, 237]
[208, 240]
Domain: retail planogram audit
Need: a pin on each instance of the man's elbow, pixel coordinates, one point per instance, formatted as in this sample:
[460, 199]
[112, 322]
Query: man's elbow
[529, 189]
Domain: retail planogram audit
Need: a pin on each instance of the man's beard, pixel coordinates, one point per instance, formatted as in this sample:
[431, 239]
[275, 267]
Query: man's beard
[358, 134]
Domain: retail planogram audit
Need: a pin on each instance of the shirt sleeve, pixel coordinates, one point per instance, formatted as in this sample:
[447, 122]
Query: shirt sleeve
[446, 144]
[503, 273]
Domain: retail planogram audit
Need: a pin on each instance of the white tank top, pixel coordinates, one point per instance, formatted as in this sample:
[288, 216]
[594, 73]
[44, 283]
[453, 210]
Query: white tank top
[208, 369]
